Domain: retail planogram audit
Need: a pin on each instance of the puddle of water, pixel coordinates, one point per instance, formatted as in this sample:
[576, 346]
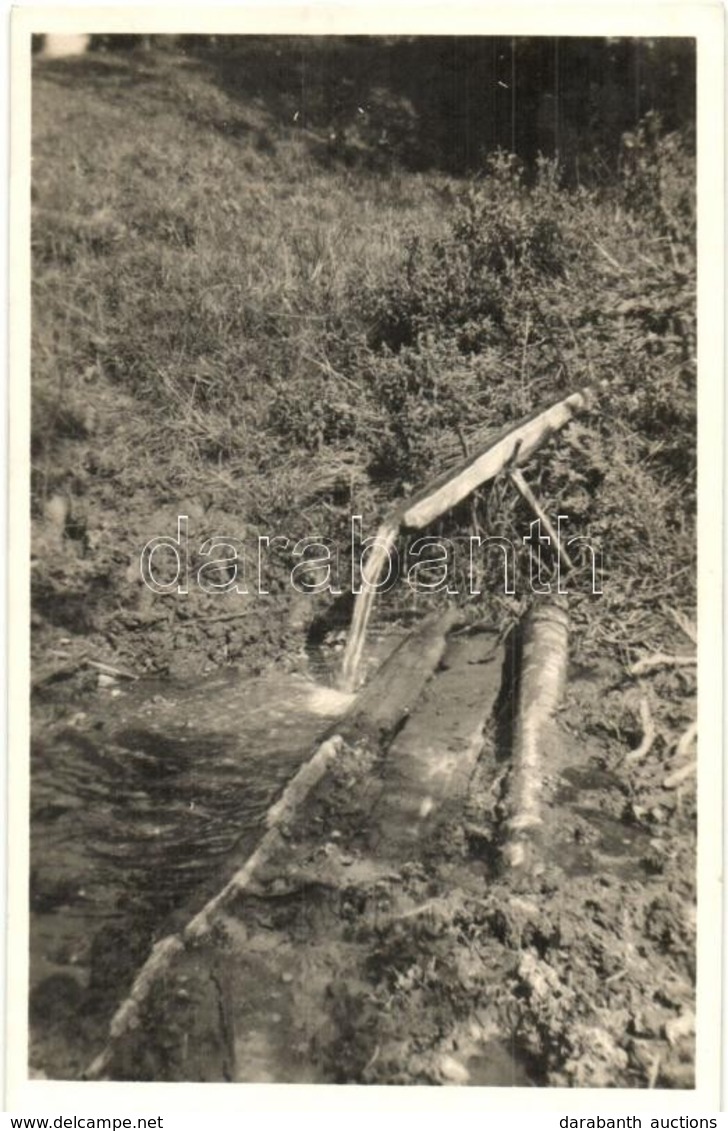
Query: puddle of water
[498, 1065]
[577, 780]
[608, 843]
[138, 806]
[616, 838]
[134, 808]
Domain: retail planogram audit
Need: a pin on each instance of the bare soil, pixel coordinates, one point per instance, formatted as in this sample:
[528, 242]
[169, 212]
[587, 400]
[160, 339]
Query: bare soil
[388, 942]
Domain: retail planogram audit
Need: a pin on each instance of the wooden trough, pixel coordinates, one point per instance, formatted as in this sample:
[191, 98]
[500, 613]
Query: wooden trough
[503, 452]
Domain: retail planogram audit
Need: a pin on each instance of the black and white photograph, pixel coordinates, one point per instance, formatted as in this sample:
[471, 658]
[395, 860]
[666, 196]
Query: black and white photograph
[362, 488]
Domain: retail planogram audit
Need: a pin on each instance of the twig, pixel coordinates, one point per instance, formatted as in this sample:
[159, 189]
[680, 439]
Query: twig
[520, 484]
[422, 909]
[686, 740]
[679, 1027]
[524, 353]
[372, 1059]
[610, 258]
[224, 617]
[679, 776]
[660, 660]
[463, 441]
[147, 623]
[109, 669]
[648, 731]
[685, 624]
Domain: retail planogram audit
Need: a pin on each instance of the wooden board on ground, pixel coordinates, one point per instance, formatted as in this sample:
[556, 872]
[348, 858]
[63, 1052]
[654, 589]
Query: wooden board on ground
[430, 761]
[394, 689]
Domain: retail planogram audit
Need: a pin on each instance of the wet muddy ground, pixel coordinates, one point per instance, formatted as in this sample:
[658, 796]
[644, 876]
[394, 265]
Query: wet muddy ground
[387, 940]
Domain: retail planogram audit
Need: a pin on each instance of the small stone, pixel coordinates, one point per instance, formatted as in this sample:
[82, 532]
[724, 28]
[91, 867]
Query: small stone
[453, 1071]
[287, 977]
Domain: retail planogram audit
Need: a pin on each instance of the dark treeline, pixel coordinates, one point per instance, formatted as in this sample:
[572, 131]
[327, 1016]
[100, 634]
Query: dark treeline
[447, 102]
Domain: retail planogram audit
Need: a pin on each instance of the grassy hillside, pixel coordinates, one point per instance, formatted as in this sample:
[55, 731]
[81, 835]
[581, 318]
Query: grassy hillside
[269, 321]
[266, 334]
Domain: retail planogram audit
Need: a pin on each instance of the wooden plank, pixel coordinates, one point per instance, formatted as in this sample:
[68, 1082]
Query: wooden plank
[430, 762]
[394, 689]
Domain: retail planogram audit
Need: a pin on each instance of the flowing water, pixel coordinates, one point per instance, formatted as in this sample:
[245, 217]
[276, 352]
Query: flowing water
[142, 803]
[385, 538]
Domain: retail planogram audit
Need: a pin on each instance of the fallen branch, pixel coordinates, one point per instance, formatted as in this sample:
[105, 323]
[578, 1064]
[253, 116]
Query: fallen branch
[654, 1072]
[224, 617]
[649, 733]
[679, 776]
[442, 903]
[679, 1027]
[660, 660]
[683, 622]
[109, 669]
[128, 1015]
[609, 258]
[686, 740]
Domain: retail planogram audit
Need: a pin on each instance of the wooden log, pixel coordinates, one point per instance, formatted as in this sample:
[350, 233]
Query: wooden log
[543, 676]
